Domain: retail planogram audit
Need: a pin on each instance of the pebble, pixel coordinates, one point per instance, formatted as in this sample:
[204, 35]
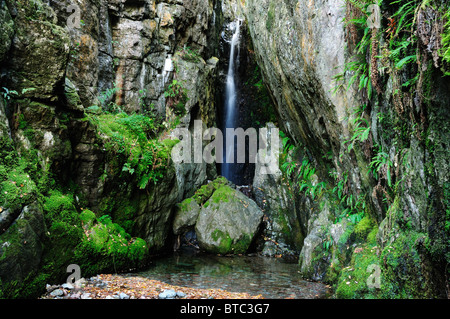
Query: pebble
[86, 295]
[167, 294]
[51, 287]
[67, 286]
[170, 294]
[57, 293]
[123, 296]
[75, 296]
[181, 294]
[101, 285]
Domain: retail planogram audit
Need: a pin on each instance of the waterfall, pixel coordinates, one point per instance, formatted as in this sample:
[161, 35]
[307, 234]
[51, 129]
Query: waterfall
[230, 100]
[168, 68]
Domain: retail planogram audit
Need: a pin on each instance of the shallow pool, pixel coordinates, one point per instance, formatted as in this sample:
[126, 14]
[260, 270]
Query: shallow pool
[270, 277]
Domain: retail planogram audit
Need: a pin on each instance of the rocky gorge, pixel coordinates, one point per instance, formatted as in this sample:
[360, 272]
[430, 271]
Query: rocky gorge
[93, 90]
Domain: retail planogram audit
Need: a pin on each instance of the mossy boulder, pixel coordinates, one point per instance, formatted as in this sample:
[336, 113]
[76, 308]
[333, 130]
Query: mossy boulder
[187, 212]
[105, 241]
[228, 222]
[186, 216]
[21, 250]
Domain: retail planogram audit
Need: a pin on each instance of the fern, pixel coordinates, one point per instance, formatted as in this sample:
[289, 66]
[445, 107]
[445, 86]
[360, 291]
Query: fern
[445, 51]
[382, 164]
[406, 60]
[360, 132]
[406, 14]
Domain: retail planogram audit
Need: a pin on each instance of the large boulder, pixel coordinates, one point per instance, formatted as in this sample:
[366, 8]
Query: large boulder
[228, 222]
[224, 219]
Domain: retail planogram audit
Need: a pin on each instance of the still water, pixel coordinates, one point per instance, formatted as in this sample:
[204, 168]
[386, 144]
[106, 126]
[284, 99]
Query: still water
[270, 277]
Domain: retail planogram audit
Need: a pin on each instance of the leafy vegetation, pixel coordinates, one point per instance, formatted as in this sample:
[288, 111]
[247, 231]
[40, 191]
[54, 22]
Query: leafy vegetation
[176, 96]
[303, 178]
[132, 146]
[445, 51]
[381, 165]
[190, 55]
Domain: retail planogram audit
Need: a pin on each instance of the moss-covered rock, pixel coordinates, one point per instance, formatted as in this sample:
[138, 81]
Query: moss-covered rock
[357, 280]
[44, 239]
[21, 251]
[73, 101]
[205, 192]
[186, 216]
[37, 36]
[228, 222]
[107, 247]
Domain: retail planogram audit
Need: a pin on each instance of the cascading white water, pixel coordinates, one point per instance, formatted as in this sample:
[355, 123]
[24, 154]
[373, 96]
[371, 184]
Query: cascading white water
[230, 101]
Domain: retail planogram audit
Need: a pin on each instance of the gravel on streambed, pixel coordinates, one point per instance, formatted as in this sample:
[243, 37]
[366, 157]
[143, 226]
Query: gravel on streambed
[134, 287]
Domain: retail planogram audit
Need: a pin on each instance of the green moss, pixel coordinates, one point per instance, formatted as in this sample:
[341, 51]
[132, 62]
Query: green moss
[222, 194]
[353, 280]
[205, 192]
[106, 246]
[242, 245]
[372, 236]
[404, 267]
[122, 206]
[364, 227]
[60, 211]
[87, 217]
[132, 146]
[270, 21]
[17, 188]
[8, 155]
[185, 205]
[401, 265]
[225, 242]
[95, 244]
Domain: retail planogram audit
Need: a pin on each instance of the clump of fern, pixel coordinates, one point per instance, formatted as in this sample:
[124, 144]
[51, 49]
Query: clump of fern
[445, 51]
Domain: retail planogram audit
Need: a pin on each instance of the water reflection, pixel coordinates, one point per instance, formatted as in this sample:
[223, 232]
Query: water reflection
[273, 278]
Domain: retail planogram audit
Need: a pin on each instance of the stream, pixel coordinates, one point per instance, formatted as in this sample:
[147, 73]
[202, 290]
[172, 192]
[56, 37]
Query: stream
[272, 278]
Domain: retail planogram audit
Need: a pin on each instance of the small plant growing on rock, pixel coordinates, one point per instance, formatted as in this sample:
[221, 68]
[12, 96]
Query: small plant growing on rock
[190, 55]
[176, 97]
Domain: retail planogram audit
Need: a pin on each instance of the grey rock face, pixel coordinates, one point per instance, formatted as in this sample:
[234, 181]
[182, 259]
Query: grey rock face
[276, 199]
[7, 30]
[29, 73]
